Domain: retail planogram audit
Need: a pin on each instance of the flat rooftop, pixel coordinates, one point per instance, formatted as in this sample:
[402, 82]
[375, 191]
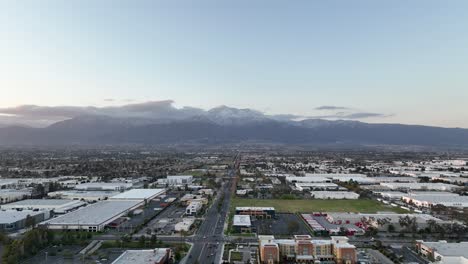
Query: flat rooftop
[42, 202]
[255, 208]
[449, 249]
[140, 194]
[142, 256]
[241, 220]
[12, 216]
[95, 214]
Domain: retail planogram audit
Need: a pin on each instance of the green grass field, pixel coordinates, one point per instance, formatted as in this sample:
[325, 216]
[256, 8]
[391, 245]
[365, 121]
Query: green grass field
[308, 206]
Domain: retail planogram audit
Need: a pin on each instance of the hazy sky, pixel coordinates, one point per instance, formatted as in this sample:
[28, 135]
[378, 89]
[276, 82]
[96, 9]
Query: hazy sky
[407, 60]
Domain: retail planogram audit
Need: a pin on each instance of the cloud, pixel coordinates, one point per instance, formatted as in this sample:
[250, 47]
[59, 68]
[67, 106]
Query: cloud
[345, 115]
[361, 115]
[151, 109]
[109, 100]
[331, 107]
[36, 115]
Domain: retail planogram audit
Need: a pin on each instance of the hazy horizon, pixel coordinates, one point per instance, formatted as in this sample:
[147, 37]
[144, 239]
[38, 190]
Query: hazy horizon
[378, 62]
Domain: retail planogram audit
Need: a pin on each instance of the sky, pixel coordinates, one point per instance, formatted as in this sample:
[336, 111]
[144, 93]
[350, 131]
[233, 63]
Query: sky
[396, 61]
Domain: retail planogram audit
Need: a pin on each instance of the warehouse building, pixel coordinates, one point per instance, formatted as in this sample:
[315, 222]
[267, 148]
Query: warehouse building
[308, 179]
[429, 200]
[104, 186]
[310, 186]
[421, 186]
[334, 195]
[154, 256]
[12, 220]
[88, 196]
[139, 194]
[95, 217]
[58, 206]
[12, 195]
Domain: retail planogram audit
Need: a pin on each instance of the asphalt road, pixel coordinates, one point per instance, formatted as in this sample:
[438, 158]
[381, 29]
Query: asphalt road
[208, 242]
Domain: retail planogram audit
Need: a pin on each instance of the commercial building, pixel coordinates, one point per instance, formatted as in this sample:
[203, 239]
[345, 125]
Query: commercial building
[193, 208]
[334, 195]
[139, 194]
[303, 249]
[58, 206]
[259, 212]
[242, 224]
[177, 180]
[185, 225]
[344, 252]
[93, 218]
[444, 252]
[154, 256]
[89, 196]
[104, 186]
[12, 220]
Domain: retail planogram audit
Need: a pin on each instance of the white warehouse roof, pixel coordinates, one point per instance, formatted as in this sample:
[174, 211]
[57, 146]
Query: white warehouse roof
[138, 194]
[95, 214]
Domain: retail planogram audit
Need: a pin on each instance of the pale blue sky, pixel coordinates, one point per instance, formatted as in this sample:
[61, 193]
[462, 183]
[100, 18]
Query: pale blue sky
[407, 59]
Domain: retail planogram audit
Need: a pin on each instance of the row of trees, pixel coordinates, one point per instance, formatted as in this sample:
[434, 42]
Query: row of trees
[33, 241]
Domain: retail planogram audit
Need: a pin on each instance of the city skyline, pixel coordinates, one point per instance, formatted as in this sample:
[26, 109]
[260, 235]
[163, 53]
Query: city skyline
[398, 62]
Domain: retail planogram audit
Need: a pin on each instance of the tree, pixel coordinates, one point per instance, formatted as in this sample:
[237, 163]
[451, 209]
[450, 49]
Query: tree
[142, 241]
[30, 221]
[153, 240]
[408, 223]
[391, 228]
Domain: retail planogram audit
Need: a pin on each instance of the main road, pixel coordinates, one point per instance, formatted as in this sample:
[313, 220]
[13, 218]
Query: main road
[208, 242]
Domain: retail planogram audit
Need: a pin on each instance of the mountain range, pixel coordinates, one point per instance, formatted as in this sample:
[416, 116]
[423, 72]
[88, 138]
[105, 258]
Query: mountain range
[223, 125]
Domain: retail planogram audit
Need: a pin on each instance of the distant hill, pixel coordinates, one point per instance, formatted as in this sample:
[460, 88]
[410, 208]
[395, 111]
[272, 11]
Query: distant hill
[228, 125]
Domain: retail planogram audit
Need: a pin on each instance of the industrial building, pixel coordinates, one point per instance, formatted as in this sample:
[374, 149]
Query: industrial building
[258, 212]
[139, 194]
[306, 179]
[429, 200]
[12, 220]
[95, 217]
[104, 186]
[12, 195]
[58, 206]
[309, 186]
[420, 186]
[242, 224]
[154, 256]
[89, 196]
[334, 195]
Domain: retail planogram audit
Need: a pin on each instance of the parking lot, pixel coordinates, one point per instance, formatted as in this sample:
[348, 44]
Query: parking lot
[280, 225]
[163, 224]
